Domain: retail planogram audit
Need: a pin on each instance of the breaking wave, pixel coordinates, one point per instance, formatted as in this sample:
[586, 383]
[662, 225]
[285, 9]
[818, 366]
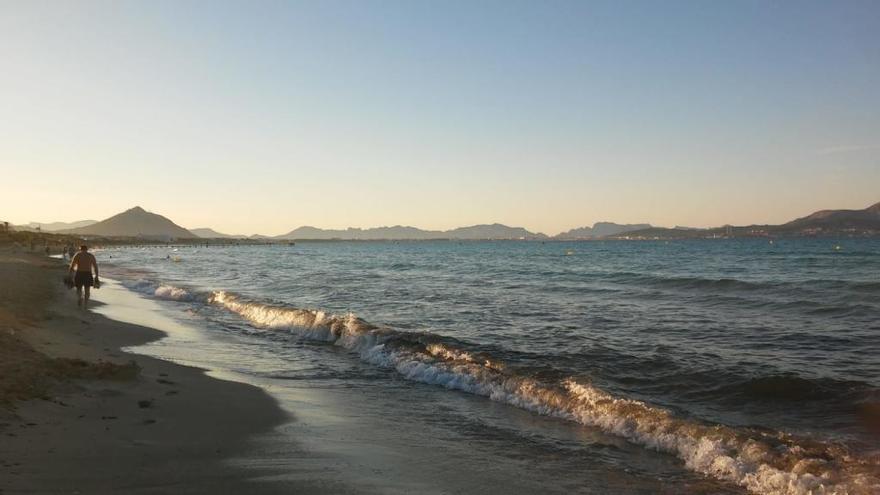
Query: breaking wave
[762, 461]
[163, 291]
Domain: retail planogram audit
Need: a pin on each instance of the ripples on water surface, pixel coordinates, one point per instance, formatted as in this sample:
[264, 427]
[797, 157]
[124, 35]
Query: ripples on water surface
[754, 363]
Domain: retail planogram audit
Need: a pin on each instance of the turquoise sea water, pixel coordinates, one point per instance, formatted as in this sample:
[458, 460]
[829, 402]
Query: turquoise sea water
[746, 364]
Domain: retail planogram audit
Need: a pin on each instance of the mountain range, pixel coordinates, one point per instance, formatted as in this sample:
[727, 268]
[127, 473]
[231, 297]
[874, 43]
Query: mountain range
[206, 233]
[400, 232]
[820, 223]
[139, 223]
[54, 226]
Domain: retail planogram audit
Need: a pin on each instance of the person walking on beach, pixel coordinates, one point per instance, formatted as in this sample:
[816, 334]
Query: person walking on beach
[83, 262]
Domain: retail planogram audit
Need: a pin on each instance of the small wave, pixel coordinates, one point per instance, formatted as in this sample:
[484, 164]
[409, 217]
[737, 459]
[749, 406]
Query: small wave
[684, 282]
[762, 462]
[173, 293]
[162, 291]
[872, 287]
[842, 309]
[794, 388]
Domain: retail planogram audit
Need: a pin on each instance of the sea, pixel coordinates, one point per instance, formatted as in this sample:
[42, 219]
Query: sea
[699, 366]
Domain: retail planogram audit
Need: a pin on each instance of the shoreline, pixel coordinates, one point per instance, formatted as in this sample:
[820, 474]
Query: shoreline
[360, 428]
[170, 428]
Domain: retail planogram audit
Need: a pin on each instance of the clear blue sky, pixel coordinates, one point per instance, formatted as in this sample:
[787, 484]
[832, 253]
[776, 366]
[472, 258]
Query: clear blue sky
[263, 116]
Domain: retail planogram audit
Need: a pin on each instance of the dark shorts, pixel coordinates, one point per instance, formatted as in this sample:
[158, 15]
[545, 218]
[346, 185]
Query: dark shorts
[83, 278]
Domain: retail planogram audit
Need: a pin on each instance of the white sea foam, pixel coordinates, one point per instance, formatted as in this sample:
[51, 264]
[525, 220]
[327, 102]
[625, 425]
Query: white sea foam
[172, 293]
[162, 291]
[774, 464]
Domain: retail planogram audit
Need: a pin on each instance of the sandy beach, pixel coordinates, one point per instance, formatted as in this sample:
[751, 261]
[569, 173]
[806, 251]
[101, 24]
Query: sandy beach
[80, 416]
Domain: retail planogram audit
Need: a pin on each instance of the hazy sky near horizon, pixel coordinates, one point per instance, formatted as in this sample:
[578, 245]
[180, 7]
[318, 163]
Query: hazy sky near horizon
[264, 116]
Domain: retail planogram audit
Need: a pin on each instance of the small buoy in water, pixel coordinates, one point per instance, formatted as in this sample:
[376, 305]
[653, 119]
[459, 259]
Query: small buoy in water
[569, 252]
[837, 247]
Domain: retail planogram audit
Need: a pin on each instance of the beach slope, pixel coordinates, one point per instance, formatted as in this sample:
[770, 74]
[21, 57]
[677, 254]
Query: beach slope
[79, 415]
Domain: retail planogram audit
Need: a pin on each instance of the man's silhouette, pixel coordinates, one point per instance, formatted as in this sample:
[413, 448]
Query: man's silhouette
[84, 261]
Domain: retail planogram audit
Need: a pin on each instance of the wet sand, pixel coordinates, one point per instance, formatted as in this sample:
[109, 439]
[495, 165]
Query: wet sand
[145, 426]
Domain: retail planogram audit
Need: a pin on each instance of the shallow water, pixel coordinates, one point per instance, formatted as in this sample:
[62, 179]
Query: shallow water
[591, 366]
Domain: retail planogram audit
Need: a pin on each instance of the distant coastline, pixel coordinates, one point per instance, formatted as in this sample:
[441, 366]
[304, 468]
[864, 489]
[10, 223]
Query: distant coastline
[140, 226]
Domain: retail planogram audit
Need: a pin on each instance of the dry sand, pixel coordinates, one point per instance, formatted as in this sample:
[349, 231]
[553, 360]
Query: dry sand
[78, 415]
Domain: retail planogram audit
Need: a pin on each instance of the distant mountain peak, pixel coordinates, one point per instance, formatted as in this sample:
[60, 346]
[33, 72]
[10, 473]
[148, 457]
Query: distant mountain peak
[840, 219]
[135, 222]
[600, 230]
